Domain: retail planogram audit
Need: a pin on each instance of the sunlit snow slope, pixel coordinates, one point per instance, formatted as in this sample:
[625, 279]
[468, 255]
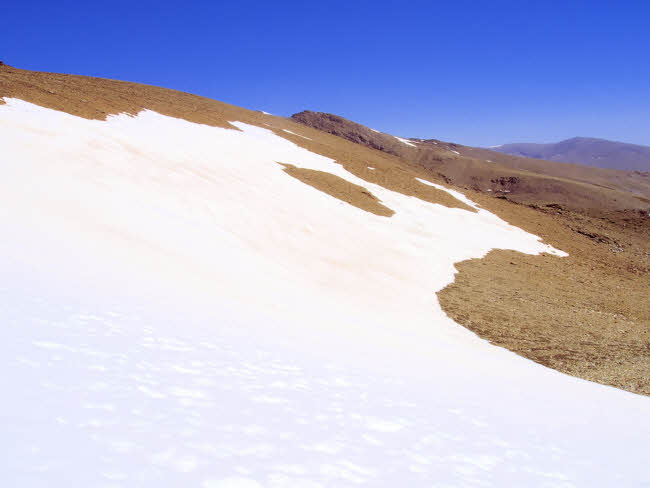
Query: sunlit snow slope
[179, 311]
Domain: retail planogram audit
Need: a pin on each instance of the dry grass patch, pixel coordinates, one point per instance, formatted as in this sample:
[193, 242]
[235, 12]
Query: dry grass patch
[586, 315]
[337, 187]
[402, 181]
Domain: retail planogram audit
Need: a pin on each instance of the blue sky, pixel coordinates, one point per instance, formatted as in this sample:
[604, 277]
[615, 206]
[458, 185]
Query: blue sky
[473, 72]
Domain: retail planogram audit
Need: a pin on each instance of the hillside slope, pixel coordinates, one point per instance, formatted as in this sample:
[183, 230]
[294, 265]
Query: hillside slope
[524, 180]
[197, 294]
[589, 151]
[585, 315]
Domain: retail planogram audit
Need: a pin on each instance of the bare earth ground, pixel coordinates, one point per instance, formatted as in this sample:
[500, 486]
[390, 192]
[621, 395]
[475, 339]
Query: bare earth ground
[586, 315]
[339, 188]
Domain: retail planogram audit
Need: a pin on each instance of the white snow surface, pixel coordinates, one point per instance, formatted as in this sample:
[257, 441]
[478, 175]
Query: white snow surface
[178, 311]
[293, 133]
[405, 141]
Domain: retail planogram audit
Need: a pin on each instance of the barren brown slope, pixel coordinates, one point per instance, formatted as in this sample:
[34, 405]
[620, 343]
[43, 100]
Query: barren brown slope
[635, 182]
[587, 315]
[524, 180]
[606, 276]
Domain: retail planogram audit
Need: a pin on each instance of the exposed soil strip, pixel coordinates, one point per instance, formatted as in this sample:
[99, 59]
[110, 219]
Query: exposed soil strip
[340, 188]
[401, 180]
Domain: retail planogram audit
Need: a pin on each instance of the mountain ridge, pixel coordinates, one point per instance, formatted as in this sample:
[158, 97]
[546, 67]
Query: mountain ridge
[521, 179]
[590, 151]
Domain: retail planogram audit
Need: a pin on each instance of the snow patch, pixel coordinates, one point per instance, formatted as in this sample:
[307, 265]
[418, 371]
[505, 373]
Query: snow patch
[289, 132]
[405, 141]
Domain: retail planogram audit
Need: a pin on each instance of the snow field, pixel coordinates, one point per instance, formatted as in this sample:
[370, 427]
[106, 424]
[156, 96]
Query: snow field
[179, 311]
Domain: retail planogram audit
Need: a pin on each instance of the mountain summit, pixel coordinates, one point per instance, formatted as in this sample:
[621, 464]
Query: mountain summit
[590, 151]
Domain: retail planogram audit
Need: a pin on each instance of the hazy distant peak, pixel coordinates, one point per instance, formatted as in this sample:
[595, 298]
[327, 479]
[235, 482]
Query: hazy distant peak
[590, 151]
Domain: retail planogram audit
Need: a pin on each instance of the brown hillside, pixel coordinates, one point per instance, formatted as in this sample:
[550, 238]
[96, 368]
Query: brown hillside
[585, 315]
[522, 179]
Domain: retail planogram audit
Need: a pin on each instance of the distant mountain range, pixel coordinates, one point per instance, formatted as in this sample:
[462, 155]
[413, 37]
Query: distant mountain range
[590, 151]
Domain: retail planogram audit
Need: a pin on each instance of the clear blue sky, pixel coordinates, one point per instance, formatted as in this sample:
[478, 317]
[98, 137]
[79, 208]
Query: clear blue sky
[473, 72]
